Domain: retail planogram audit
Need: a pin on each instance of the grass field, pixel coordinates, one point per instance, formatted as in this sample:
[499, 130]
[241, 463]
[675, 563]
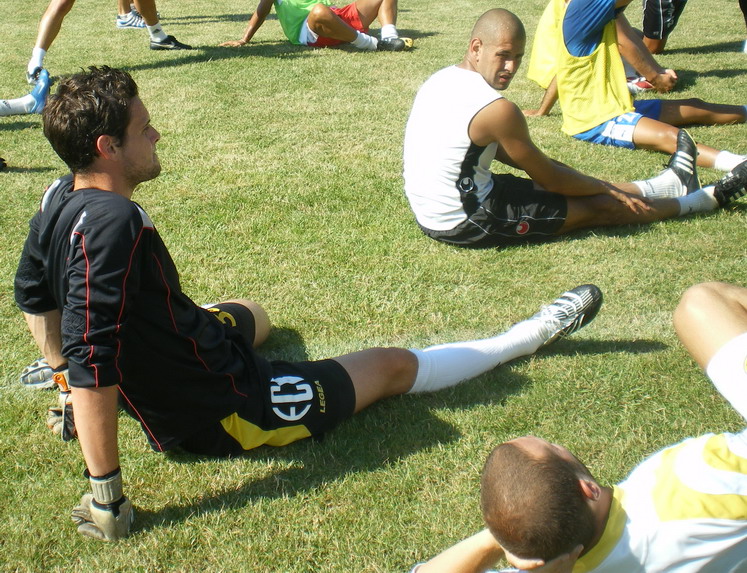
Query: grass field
[282, 183]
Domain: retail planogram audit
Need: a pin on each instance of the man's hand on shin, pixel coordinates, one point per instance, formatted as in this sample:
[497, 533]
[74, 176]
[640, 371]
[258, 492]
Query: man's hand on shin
[635, 203]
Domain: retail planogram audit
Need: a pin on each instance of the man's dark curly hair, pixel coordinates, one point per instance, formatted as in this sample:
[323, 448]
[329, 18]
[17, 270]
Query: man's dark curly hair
[87, 105]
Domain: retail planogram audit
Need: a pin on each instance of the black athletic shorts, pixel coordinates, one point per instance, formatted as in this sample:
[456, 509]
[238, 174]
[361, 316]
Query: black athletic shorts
[514, 212]
[660, 17]
[300, 400]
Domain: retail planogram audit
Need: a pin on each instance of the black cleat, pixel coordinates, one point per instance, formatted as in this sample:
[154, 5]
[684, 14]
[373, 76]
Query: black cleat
[170, 43]
[570, 311]
[682, 162]
[732, 185]
[394, 44]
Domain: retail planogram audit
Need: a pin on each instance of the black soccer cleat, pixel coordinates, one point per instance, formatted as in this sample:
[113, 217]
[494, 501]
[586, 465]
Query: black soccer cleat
[682, 162]
[570, 311]
[732, 185]
[394, 44]
[170, 43]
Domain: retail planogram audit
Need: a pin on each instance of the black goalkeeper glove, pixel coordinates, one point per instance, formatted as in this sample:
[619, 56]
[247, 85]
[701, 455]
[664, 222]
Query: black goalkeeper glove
[106, 514]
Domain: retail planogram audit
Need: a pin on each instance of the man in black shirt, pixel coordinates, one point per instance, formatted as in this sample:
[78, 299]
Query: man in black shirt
[102, 298]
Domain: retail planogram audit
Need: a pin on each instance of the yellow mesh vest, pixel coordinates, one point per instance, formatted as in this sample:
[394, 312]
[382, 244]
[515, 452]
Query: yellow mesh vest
[591, 89]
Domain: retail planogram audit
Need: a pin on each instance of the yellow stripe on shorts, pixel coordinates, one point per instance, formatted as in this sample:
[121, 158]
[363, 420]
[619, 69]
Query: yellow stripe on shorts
[251, 436]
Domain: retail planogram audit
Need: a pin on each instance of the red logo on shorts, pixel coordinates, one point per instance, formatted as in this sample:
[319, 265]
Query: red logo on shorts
[522, 228]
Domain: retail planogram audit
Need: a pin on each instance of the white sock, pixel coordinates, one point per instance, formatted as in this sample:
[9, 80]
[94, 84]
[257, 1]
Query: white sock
[156, 32]
[447, 365]
[389, 31]
[726, 371]
[37, 60]
[365, 42]
[726, 161]
[17, 106]
[663, 186]
[699, 201]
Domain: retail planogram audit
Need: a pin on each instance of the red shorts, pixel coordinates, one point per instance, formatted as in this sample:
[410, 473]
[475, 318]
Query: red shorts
[348, 14]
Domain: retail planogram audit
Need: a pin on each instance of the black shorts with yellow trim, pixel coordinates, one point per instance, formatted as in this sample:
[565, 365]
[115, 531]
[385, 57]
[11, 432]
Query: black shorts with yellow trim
[513, 213]
[301, 400]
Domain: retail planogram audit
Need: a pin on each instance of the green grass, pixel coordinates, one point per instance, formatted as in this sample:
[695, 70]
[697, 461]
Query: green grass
[282, 183]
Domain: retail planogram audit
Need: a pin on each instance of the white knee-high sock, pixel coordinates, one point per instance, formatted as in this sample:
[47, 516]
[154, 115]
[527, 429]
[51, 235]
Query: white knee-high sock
[36, 60]
[726, 371]
[446, 365]
[700, 201]
[664, 185]
[365, 42]
[726, 161]
[19, 105]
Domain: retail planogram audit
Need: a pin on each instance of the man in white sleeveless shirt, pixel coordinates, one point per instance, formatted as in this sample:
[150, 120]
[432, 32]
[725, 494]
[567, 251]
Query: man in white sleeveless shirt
[459, 124]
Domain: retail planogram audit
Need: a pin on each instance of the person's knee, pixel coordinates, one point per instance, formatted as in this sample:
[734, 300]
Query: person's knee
[60, 7]
[319, 15]
[262, 324]
[694, 301]
[397, 365]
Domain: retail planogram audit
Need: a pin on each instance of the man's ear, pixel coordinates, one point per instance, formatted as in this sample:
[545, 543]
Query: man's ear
[106, 146]
[591, 489]
[475, 45]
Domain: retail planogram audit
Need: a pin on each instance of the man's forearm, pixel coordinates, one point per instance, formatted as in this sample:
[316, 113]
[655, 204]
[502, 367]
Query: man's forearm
[45, 328]
[634, 50]
[472, 555]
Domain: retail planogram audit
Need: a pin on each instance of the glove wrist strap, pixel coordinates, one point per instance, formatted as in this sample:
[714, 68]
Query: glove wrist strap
[107, 489]
[60, 378]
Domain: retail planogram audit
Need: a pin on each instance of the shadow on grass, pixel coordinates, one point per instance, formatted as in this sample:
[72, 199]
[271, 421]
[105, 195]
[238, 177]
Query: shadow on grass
[687, 78]
[726, 47]
[11, 169]
[19, 124]
[383, 434]
[264, 49]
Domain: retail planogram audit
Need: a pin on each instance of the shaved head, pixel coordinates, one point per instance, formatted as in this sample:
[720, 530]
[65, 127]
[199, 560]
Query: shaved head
[498, 23]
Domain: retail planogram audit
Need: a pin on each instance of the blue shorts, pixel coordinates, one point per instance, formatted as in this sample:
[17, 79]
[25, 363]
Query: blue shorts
[618, 131]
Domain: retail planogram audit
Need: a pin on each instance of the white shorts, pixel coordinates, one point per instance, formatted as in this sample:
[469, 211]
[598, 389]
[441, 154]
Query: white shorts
[307, 36]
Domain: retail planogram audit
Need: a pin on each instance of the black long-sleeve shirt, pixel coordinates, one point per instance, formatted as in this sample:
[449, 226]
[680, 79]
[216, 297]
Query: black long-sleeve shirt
[97, 258]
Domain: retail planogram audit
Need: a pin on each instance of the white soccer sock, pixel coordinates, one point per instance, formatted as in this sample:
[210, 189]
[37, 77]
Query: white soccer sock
[665, 185]
[447, 365]
[389, 31]
[726, 161]
[365, 42]
[37, 60]
[156, 32]
[726, 371]
[699, 201]
[17, 106]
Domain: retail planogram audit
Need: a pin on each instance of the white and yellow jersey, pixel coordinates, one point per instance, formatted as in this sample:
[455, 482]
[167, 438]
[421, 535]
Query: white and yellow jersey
[682, 510]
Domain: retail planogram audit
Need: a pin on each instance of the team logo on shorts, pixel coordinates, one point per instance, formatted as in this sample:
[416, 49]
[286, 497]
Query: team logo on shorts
[466, 185]
[522, 228]
[291, 397]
